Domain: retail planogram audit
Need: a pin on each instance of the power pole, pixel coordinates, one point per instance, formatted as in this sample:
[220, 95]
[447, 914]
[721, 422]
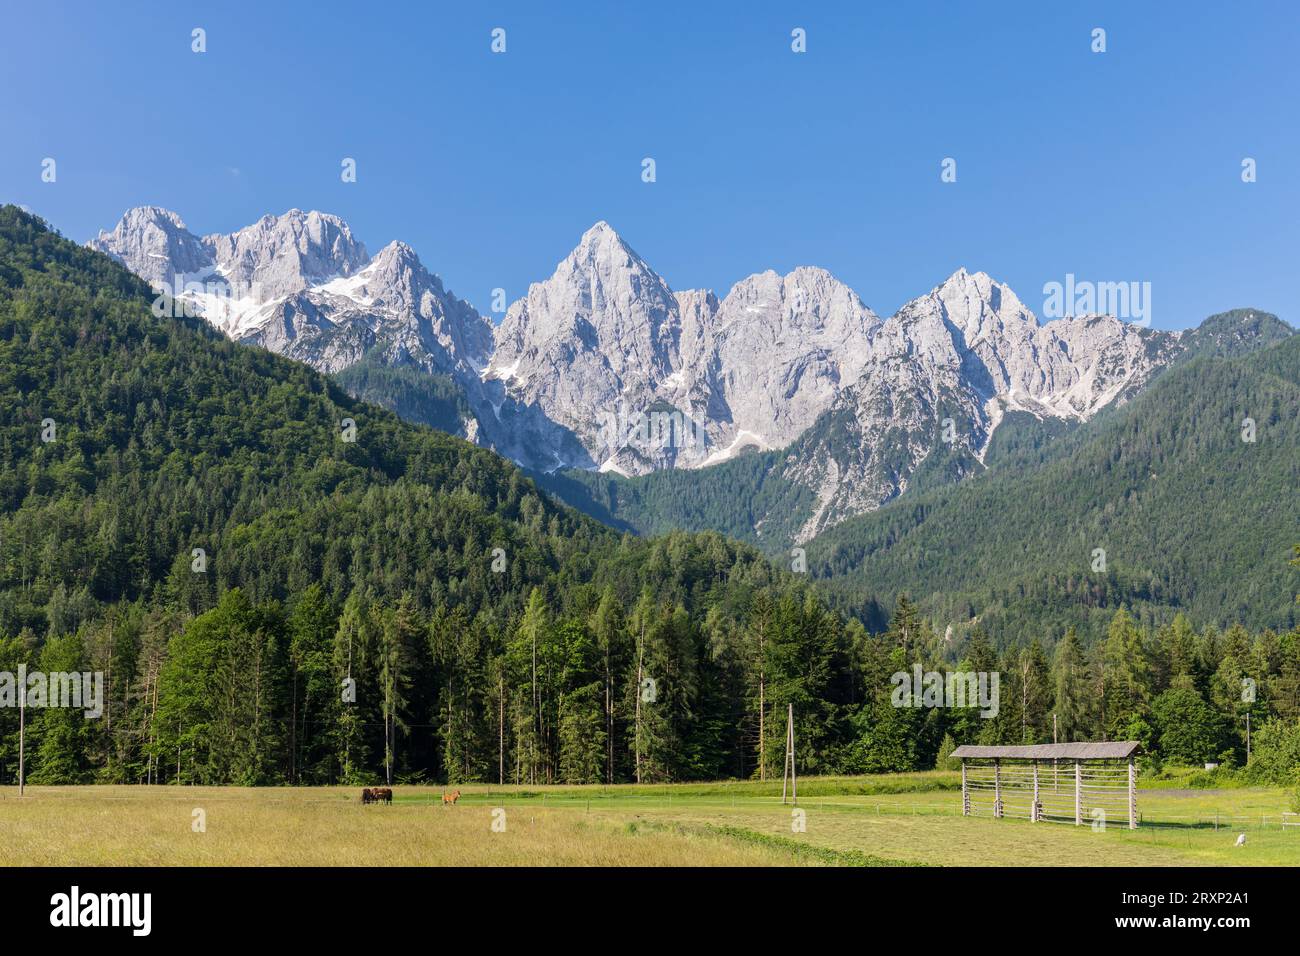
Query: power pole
[1247, 736]
[787, 771]
[501, 728]
[640, 659]
[22, 728]
[762, 702]
[537, 713]
[609, 723]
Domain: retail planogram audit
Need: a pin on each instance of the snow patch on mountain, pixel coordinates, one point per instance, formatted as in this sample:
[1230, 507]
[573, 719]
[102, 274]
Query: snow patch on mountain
[604, 366]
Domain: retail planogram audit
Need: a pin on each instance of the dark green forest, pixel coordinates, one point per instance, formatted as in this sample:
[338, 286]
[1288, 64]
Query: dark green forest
[283, 584]
[1191, 516]
[426, 398]
[972, 554]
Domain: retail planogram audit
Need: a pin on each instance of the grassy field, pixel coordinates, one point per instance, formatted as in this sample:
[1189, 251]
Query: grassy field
[911, 819]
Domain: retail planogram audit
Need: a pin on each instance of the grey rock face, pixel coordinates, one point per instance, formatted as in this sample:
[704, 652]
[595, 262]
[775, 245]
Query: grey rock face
[279, 255]
[155, 245]
[603, 365]
[785, 346]
[301, 285]
[599, 336]
[648, 378]
[944, 370]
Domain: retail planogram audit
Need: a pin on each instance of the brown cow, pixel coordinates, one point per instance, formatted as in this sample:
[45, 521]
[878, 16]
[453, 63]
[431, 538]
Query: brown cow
[376, 795]
[449, 799]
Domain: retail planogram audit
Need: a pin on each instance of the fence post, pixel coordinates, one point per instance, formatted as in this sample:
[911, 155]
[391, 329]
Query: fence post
[997, 787]
[965, 794]
[1078, 794]
[1033, 810]
[1132, 796]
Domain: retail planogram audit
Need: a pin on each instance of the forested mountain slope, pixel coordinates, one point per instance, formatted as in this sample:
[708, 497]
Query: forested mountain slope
[763, 497]
[1195, 509]
[750, 499]
[410, 560]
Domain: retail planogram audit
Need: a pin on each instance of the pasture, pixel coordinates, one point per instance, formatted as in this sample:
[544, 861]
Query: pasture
[895, 820]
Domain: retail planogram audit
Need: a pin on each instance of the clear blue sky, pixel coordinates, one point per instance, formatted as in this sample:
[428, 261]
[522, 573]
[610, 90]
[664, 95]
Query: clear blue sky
[1117, 166]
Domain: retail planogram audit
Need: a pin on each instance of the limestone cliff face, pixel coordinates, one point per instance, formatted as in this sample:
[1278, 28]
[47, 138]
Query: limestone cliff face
[604, 366]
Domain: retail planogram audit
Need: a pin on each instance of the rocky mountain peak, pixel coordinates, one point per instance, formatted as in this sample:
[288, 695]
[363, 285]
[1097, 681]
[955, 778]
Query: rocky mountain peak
[398, 263]
[155, 244]
[280, 255]
[978, 304]
[603, 365]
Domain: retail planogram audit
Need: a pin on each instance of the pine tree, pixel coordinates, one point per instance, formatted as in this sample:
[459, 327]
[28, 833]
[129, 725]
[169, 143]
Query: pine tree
[1070, 678]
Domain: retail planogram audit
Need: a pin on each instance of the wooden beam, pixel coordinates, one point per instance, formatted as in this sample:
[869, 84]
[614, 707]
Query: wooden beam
[965, 792]
[1078, 794]
[997, 788]
[1132, 795]
[1033, 810]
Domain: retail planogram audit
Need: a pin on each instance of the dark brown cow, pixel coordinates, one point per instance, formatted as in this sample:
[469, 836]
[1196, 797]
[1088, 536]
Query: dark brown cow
[376, 795]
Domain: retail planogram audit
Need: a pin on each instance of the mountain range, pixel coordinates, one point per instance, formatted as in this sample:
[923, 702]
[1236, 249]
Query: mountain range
[603, 369]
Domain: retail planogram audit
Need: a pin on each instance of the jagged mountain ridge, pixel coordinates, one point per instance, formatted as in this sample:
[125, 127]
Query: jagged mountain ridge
[300, 285]
[646, 377]
[603, 366]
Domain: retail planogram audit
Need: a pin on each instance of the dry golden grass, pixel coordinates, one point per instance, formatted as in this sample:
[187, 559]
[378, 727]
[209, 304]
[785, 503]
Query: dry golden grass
[689, 825]
[126, 826]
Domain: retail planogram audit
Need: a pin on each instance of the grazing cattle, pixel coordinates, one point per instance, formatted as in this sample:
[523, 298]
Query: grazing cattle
[449, 799]
[376, 795]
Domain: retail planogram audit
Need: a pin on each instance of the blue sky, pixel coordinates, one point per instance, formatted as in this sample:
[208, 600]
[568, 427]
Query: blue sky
[1120, 166]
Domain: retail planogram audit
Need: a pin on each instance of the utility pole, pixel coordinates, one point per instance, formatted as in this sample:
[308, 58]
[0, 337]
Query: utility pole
[22, 726]
[501, 728]
[347, 741]
[1247, 736]
[640, 659]
[537, 713]
[609, 722]
[787, 772]
[762, 704]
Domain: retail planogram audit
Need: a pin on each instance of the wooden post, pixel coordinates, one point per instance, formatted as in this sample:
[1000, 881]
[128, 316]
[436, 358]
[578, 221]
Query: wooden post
[1078, 794]
[965, 793]
[997, 787]
[1056, 767]
[794, 779]
[22, 724]
[1132, 796]
[762, 706]
[1033, 810]
[788, 768]
[639, 660]
[785, 765]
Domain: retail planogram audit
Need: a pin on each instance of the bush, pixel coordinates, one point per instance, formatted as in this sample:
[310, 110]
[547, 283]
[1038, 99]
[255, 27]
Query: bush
[1275, 757]
[945, 761]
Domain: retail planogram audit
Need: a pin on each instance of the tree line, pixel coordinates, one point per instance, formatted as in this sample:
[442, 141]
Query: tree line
[603, 690]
